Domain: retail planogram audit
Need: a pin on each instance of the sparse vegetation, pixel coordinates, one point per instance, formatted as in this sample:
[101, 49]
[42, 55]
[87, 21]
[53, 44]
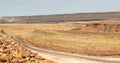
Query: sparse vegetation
[67, 37]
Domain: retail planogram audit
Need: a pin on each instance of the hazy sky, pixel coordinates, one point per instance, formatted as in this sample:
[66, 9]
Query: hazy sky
[44, 7]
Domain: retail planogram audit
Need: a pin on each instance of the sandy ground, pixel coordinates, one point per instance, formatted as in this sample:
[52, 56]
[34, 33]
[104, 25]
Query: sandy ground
[60, 57]
[69, 58]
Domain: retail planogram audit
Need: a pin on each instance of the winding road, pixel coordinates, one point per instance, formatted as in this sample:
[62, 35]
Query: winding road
[60, 57]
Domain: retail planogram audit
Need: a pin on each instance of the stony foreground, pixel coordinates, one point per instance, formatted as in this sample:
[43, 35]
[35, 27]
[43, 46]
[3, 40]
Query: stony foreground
[10, 52]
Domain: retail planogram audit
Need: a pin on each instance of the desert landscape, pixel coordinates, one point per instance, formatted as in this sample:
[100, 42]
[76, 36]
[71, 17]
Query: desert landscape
[89, 37]
[59, 31]
[86, 39]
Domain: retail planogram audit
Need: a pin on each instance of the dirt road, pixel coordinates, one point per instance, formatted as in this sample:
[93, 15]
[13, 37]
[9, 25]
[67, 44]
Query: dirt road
[60, 57]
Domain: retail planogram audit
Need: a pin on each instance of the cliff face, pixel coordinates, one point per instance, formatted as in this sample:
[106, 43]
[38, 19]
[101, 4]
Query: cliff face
[61, 18]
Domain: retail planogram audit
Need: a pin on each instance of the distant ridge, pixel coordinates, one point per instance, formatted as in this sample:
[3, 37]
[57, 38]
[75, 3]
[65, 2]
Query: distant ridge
[76, 17]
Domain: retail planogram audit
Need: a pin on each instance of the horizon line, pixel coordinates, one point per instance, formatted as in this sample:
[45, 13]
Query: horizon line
[62, 14]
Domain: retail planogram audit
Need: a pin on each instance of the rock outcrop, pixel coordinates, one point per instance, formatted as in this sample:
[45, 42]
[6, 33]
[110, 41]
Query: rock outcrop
[10, 52]
[104, 26]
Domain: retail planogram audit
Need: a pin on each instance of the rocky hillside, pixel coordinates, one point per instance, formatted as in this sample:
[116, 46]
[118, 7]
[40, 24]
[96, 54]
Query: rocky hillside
[10, 52]
[104, 26]
[61, 18]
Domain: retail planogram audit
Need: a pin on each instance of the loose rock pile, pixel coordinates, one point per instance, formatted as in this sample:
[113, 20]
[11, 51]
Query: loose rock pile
[10, 52]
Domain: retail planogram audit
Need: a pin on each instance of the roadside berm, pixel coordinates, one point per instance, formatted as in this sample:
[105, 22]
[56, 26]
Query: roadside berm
[11, 52]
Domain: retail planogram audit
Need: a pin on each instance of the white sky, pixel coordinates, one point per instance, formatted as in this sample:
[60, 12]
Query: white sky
[45, 7]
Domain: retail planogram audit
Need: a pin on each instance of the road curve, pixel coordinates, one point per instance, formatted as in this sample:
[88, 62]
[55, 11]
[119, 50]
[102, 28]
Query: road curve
[60, 57]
